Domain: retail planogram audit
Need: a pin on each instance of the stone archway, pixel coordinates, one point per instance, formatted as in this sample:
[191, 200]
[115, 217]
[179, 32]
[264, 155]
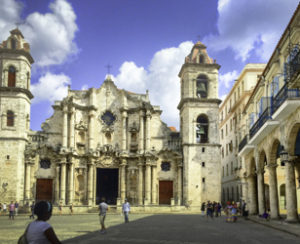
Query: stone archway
[282, 197]
[292, 146]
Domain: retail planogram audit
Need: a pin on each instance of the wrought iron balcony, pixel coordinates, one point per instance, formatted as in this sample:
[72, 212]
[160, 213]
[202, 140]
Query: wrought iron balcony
[282, 95]
[294, 66]
[266, 115]
[243, 143]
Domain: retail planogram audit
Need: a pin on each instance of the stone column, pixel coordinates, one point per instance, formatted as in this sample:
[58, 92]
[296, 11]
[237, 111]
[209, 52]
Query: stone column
[273, 191]
[290, 191]
[72, 128]
[148, 131]
[261, 191]
[90, 184]
[65, 127]
[95, 183]
[27, 180]
[140, 183]
[123, 180]
[141, 133]
[179, 184]
[252, 197]
[71, 183]
[154, 185]
[148, 182]
[91, 130]
[124, 130]
[57, 169]
[244, 184]
[63, 183]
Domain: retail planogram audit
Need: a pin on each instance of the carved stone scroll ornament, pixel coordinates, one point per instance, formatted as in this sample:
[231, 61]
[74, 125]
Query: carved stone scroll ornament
[82, 126]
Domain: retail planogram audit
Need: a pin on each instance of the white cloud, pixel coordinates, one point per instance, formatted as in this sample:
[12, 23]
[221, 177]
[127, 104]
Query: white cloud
[50, 87]
[228, 78]
[9, 15]
[251, 26]
[132, 77]
[50, 35]
[160, 78]
[85, 87]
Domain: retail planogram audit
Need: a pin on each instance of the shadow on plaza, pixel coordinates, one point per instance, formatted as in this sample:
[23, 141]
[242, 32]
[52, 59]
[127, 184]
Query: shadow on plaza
[156, 227]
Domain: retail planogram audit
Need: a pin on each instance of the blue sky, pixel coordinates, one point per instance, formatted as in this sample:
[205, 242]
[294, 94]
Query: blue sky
[145, 41]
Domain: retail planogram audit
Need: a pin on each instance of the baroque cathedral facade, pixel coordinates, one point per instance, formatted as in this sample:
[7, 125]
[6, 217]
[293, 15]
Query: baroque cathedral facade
[109, 142]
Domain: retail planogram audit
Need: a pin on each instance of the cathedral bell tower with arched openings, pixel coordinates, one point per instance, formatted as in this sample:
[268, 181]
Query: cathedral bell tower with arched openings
[199, 105]
[15, 96]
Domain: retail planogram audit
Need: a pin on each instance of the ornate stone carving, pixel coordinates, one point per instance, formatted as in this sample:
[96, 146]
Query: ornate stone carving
[81, 126]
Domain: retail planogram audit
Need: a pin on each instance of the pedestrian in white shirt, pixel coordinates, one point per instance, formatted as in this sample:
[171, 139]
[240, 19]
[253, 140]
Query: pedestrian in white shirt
[103, 208]
[126, 210]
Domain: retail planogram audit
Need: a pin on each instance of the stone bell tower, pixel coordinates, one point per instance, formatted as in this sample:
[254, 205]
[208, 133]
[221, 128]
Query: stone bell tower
[198, 107]
[15, 96]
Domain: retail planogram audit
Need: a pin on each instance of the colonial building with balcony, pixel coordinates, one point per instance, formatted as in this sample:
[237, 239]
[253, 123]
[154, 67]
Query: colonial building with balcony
[271, 148]
[232, 130]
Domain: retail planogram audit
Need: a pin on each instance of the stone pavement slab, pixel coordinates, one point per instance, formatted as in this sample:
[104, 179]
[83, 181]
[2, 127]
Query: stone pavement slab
[188, 229]
[280, 225]
[152, 229]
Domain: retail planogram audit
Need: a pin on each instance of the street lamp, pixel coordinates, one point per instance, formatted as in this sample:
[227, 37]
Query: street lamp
[284, 156]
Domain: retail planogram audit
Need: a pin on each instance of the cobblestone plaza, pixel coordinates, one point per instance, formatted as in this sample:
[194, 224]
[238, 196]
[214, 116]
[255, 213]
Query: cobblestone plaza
[145, 228]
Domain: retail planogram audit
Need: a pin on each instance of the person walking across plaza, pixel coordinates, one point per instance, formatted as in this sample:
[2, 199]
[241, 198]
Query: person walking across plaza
[203, 209]
[60, 208]
[103, 208]
[71, 209]
[4, 208]
[11, 208]
[32, 210]
[16, 208]
[126, 210]
[209, 210]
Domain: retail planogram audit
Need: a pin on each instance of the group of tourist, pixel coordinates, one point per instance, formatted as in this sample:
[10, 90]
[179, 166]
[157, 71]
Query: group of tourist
[212, 209]
[231, 210]
[11, 208]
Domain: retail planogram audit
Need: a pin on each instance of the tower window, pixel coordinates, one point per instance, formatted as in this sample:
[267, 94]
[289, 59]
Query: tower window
[10, 118]
[201, 86]
[203, 164]
[13, 44]
[28, 80]
[11, 77]
[201, 59]
[203, 180]
[202, 129]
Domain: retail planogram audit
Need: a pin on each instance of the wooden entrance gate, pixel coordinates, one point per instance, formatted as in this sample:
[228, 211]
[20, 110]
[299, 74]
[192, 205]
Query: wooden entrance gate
[165, 192]
[44, 189]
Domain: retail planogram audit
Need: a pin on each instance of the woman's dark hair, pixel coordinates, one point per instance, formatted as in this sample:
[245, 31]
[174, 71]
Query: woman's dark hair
[42, 208]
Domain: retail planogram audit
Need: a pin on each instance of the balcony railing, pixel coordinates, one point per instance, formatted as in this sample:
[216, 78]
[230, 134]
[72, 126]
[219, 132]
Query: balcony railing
[294, 66]
[260, 122]
[243, 143]
[281, 96]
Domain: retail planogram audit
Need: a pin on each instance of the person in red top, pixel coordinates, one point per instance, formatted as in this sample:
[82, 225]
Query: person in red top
[11, 210]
